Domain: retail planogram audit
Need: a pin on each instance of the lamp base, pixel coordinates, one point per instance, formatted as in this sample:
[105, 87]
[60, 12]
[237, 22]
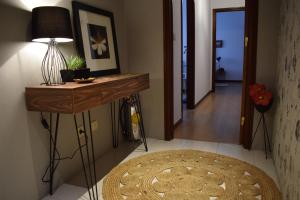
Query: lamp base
[52, 64]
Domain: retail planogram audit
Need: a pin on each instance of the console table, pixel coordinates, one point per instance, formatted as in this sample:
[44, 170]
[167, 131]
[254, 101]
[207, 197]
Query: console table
[73, 98]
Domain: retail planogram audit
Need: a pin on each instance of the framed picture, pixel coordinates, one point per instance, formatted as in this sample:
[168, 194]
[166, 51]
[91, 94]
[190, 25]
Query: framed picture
[219, 43]
[96, 39]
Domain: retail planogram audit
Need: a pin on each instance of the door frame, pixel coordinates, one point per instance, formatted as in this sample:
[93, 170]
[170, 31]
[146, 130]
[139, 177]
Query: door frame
[249, 77]
[214, 39]
[190, 57]
[190, 4]
[181, 71]
[168, 70]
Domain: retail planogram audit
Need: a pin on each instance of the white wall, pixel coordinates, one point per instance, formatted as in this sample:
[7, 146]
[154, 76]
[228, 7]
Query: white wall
[177, 59]
[230, 29]
[227, 3]
[146, 55]
[23, 142]
[202, 49]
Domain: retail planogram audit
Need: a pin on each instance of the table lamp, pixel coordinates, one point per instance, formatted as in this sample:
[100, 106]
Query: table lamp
[52, 25]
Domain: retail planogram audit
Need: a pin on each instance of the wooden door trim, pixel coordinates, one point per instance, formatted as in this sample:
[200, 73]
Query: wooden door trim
[251, 31]
[232, 9]
[181, 71]
[168, 70]
[190, 54]
[214, 39]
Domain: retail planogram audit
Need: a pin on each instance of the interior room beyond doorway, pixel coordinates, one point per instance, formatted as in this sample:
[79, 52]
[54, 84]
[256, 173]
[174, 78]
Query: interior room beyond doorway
[216, 118]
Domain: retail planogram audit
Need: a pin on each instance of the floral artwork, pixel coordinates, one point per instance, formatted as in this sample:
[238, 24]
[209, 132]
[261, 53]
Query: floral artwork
[96, 39]
[98, 42]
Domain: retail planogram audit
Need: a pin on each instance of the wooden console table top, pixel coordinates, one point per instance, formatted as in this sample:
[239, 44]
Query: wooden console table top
[74, 98]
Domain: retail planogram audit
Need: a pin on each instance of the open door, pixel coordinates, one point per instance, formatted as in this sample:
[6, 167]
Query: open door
[168, 70]
[190, 54]
[251, 27]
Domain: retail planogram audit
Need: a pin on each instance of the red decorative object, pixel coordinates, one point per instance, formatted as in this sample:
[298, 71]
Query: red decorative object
[257, 89]
[261, 97]
[263, 100]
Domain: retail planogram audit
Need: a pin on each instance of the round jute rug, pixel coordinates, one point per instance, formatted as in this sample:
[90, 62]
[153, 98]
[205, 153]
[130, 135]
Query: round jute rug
[188, 175]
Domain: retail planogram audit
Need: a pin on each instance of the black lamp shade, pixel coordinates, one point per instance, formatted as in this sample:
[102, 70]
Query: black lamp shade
[51, 23]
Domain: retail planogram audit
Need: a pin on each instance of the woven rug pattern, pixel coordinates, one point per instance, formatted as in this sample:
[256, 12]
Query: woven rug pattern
[188, 175]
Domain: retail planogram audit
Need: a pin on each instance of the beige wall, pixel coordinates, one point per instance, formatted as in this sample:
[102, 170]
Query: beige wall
[286, 138]
[268, 30]
[23, 142]
[202, 49]
[177, 60]
[145, 55]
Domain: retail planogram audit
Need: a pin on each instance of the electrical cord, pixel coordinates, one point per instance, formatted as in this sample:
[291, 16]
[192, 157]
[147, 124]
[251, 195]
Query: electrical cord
[58, 155]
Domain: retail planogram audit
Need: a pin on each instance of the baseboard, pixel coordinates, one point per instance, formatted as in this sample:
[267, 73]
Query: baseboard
[197, 104]
[178, 123]
[229, 81]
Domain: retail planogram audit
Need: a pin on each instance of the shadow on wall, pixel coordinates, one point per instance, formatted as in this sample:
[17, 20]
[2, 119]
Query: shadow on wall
[13, 21]
[24, 144]
[14, 37]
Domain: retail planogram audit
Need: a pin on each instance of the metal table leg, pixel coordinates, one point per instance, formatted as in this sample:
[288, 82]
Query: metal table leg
[93, 154]
[255, 132]
[114, 123]
[267, 143]
[89, 171]
[53, 143]
[88, 160]
[267, 133]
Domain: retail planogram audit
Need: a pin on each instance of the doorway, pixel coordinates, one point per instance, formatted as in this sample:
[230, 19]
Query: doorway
[188, 53]
[249, 76]
[228, 46]
[216, 117]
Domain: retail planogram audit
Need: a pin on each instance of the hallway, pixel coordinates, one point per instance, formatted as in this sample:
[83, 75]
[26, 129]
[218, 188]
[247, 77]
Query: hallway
[216, 118]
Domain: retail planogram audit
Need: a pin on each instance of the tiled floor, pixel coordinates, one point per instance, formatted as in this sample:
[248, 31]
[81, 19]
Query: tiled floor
[257, 158]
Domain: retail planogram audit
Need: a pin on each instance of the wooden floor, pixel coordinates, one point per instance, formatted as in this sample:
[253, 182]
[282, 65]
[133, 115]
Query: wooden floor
[216, 118]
